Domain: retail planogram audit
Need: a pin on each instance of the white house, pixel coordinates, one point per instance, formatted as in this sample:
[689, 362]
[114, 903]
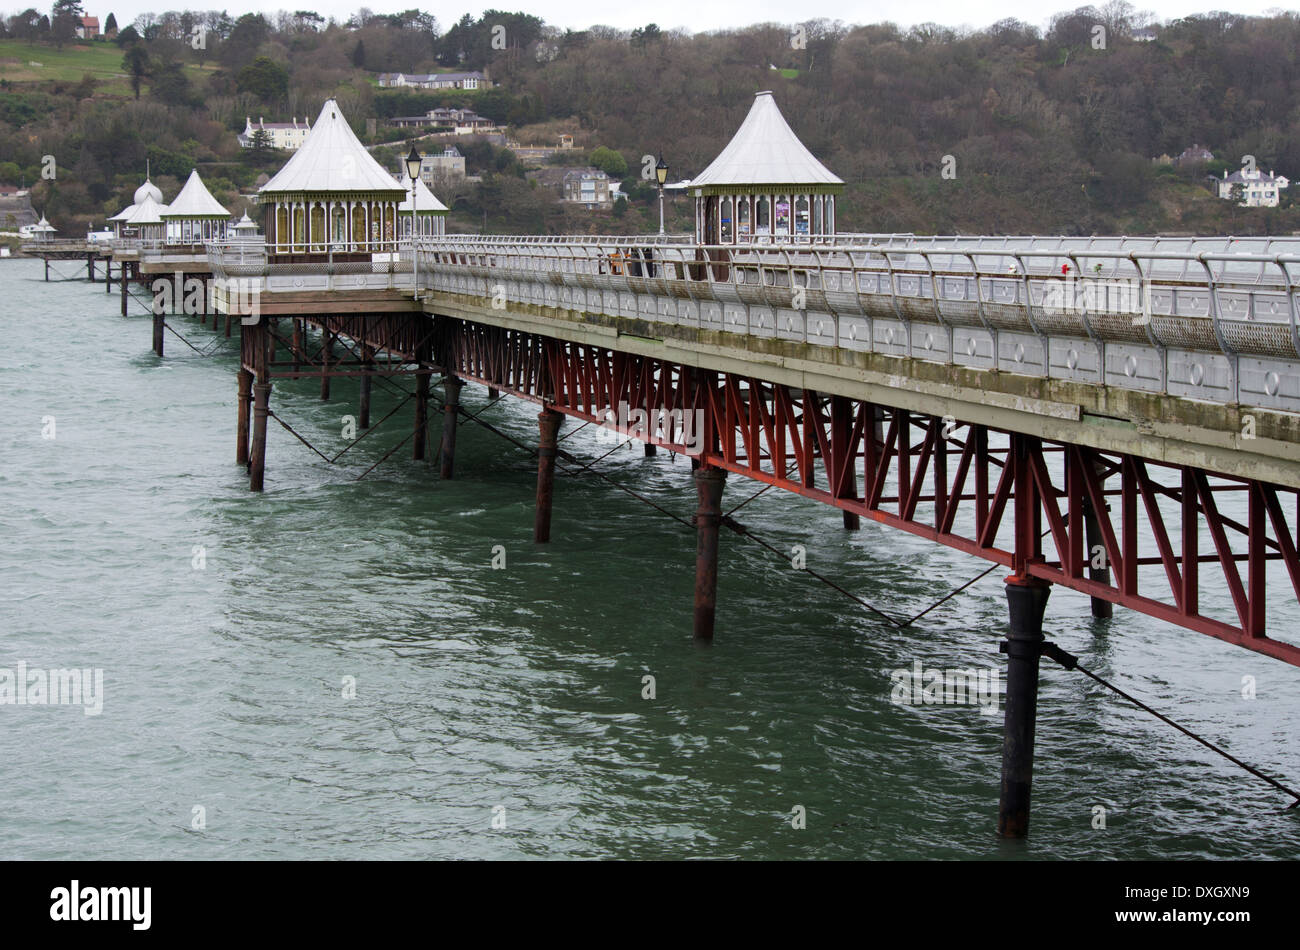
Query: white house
[1258, 190]
[283, 135]
[472, 80]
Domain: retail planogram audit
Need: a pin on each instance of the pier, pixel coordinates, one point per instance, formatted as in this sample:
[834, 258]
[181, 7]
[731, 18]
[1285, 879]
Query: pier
[1073, 411]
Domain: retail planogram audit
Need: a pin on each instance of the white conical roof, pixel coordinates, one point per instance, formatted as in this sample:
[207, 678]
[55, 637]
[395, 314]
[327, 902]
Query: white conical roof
[425, 200]
[331, 159]
[124, 213]
[148, 189]
[147, 212]
[195, 201]
[765, 152]
[43, 225]
[244, 224]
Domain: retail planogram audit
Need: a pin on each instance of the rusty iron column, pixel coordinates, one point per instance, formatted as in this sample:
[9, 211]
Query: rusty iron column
[709, 482]
[260, 350]
[548, 425]
[651, 450]
[492, 392]
[257, 456]
[1101, 609]
[122, 282]
[367, 367]
[297, 345]
[245, 411]
[47, 268]
[108, 275]
[451, 386]
[90, 267]
[326, 351]
[1026, 600]
[159, 324]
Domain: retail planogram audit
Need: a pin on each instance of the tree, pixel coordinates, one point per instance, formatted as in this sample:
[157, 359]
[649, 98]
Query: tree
[609, 161]
[359, 55]
[169, 82]
[259, 147]
[642, 36]
[26, 25]
[127, 37]
[264, 78]
[250, 31]
[137, 65]
[110, 25]
[65, 18]
[620, 207]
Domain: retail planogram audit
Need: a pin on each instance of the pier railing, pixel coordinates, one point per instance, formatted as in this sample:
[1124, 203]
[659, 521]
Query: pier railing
[382, 265]
[1214, 318]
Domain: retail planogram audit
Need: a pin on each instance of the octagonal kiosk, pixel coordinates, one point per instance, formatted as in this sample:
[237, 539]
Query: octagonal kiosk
[194, 216]
[147, 190]
[765, 187]
[331, 200]
[430, 214]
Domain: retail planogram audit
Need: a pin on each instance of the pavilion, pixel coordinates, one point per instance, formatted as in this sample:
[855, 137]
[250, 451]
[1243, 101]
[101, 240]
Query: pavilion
[147, 190]
[194, 216]
[330, 197]
[43, 230]
[430, 213]
[765, 186]
[145, 221]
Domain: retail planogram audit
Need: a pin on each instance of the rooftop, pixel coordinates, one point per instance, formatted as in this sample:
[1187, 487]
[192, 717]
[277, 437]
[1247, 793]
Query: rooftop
[764, 151]
[331, 159]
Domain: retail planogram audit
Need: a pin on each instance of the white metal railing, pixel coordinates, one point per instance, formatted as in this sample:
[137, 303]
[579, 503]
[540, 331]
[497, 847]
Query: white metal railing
[1139, 300]
[385, 265]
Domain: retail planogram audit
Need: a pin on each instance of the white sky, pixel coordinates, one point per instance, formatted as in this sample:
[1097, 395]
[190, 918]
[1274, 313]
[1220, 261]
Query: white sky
[691, 14]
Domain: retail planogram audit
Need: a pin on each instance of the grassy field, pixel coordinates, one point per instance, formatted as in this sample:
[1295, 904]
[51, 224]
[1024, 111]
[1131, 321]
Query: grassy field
[20, 62]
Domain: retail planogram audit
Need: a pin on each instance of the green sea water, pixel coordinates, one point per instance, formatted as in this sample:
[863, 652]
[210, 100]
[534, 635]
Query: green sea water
[502, 713]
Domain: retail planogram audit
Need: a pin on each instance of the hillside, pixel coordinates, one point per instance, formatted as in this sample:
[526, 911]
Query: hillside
[1004, 130]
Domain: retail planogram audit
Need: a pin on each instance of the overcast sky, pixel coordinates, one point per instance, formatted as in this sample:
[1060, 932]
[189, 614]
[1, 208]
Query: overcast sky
[694, 15]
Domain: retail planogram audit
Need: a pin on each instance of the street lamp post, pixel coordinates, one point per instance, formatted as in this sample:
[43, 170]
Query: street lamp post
[661, 173]
[413, 161]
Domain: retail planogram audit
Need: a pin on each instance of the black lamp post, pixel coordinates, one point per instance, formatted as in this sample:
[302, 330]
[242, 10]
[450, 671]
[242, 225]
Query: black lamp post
[413, 162]
[661, 173]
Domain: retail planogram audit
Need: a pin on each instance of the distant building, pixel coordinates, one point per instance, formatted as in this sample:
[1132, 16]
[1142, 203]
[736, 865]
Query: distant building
[1147, 34]
[452, 121]
[88, 28]
[472, 80]
[450, 164]
[283, 135]
[1257, 189]
[1194, 155]
[588, 187]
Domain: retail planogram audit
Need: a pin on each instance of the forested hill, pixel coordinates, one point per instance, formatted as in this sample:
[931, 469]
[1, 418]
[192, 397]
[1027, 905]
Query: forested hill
[1050, 131]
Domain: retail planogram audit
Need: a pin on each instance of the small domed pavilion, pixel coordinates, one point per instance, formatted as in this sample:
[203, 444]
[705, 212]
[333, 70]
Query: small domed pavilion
[765, 186]
[43, 230]
[194, 216]
[331, 196]
[145, 221]
[147, 190]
